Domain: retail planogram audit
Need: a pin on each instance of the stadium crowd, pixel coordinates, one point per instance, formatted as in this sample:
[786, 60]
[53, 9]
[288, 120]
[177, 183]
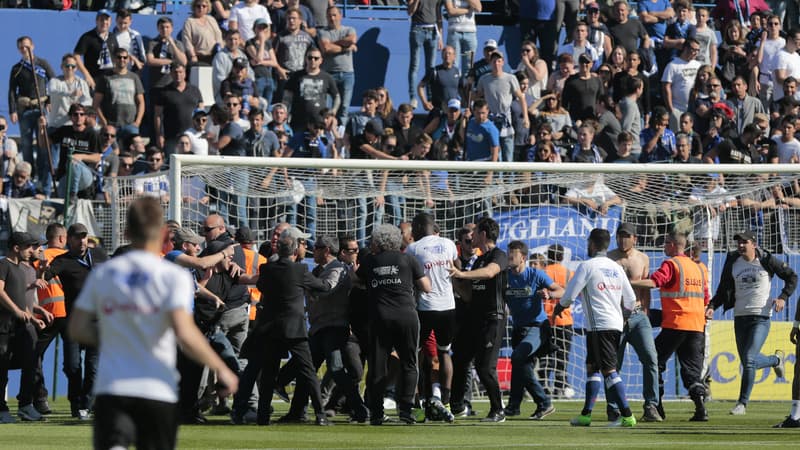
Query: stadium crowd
[654, 87]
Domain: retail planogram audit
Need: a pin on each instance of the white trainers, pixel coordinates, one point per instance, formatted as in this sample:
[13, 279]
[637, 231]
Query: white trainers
[6, 417]
[29, 414]
[389, 403]
[739, 410]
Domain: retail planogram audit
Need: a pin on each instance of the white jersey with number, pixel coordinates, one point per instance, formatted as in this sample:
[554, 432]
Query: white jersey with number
[133, 297]
[436, 255]
[605, 287]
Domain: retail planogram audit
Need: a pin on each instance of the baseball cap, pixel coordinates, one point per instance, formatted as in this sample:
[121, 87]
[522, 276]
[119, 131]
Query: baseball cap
[186, 235]
[491, 43]
[584, 58]
[374, 128]
[76, 229]
[239, 62]
[199, 112]
[260, 21]
[454, 103]
[103, 12]
[627, 228]
[22, 239]
[245, 235]
[327, 241]
[295, 233]
[745, 236]
[592, 5]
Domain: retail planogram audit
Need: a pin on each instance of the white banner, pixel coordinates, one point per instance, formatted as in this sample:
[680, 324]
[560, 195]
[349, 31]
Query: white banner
[33, 216]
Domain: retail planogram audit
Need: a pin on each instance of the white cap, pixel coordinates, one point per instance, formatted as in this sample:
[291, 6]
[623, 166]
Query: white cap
[491, 43]
[454, 103]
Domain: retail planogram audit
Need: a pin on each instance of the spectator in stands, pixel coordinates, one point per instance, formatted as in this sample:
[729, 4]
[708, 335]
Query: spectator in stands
[554, 114]
[544, 150]
[338, 43]
[244, 15]
[235, 105]
[727, 11]
[308, 22]
[462, 33]
[404, 129]
[254, 137]
[9, 155]
[683, 147]
[733, 54]
[240, 84]
[538, 20]
[608, 126]
[385, 106]
[787, 146]
[745, 106]
[585, 150]
[280, 116]
[358, 120]
[631, 116]
[162, 52]
[442, 82]
[788, 63]
[308, 91]
[580, 45]
[156, 183]
[131, 40]
[291, 48]
[197, 132]
[482, 66]
[566, 68]
[535, 68]
[499, 89]
[599, 36]
[687, 128]
[221, 10]
[678, 31]
[702, 105]
[625, 31]
[769, 51]
[625, 142]
[592, 196]
[447, 131]
[29, 77]
[521, 132]
[582, 90]
[119, 97]
[707, 38]
[425, 36]
[263, 60]
[678, 81]
[224, 59]
[231, 143]
[174, 106]
[618, 60]
[201, 36]
[95, 50]
[657, 140]
[482, 141]
[20, 184]
[655, 15]
[739, 150]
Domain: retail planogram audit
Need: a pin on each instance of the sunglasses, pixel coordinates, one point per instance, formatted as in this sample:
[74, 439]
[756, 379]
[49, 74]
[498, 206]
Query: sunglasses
[78, 114]
[2, 127]
[109, 135]
[70, 66]
[207, 230]
[122, 57]
[231, 105]
[314, 58]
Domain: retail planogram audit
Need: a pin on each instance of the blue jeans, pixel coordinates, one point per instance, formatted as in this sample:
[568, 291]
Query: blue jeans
[28, 126]
[751, 332]
[525, 340]
[81, 178]
[43, 168]
[419, 38]
[264, 88]
[639, 334]
[463, 43]
[80, 380]
[345, 82]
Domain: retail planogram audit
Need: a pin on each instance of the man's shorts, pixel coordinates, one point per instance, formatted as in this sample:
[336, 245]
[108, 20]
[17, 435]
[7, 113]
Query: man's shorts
[442, 323]
[133, 421]
[601, 349]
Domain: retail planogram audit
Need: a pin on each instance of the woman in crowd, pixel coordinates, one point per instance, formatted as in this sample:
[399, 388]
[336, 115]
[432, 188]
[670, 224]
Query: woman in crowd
[262, 59]
[732, 54]
[535, 68]
[201, 35]
[551, 112]
[385, 107]
[618, 60]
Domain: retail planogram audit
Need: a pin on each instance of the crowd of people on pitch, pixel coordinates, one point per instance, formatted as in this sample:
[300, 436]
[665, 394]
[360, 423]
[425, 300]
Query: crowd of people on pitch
[418, 310]
[656, 86]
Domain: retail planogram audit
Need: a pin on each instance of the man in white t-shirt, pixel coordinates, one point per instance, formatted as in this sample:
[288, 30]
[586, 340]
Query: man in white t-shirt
[788, 64]
[787, 147]
[678, 81]
[141, 305]
[244, 15]
[437, 308]
[769, 49]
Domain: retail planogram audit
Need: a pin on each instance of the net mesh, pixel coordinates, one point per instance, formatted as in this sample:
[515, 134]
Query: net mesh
[541, 208]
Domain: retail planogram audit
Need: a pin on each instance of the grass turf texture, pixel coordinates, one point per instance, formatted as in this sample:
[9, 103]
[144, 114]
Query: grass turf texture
[722, 431]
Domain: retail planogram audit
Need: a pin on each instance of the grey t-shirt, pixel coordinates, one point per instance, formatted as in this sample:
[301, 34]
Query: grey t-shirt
[426, 12]
[14, 277]
[119, 97]
[340, 62]
[752, 284]
[498, 91]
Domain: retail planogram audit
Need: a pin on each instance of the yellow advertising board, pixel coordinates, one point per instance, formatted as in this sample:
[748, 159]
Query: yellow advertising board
[725, 368]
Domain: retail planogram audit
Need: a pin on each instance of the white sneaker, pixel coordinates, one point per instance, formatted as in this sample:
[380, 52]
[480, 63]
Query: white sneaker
[83, 414]
[739, 410]
[29, 414]
[6, 417]
[389, 403]
[413, 103]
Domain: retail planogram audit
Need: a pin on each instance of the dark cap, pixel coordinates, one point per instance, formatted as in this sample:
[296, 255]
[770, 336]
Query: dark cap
[627, 228]
[327, 241]
[245, 235]
[199, 112]
[745, 236]
[584, 58]
[239, 63]
[592, 5]
[374, 128]
[22, 239]
[76, 229]
[186, 235]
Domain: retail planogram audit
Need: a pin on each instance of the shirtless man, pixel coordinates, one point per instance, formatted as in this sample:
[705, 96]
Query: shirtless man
[637, 331]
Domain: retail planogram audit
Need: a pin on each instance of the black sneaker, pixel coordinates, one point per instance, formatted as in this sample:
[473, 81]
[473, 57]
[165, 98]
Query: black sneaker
[407, 417]
[510, 411]
[541, 412]
[322, 421]
[612, 414]
[379, 420]
[700, 415]
[660, 410]
[287, 419]
[495, 417]
[788, 423]
[42, 406]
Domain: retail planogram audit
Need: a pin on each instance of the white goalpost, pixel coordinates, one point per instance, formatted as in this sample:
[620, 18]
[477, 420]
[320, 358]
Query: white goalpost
[539, 203]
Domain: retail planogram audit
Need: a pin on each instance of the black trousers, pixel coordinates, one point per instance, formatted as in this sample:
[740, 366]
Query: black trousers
[46, 336]
[21, 344]
[689, 347]
[479, 340]
[125, 421]
[398, 331]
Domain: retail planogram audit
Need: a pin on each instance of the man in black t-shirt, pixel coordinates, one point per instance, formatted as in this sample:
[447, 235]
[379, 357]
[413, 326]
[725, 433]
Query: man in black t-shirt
[307, 92]
[627, 32]
[480, 337]
[390, 277]
[174, 106]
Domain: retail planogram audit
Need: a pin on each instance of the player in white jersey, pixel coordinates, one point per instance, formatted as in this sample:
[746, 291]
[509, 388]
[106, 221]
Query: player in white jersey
[437, 308]
[605, 289]
[141, 305]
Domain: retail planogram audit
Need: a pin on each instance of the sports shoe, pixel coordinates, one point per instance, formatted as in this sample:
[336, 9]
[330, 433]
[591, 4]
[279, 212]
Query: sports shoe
[290, 419]
[441, 411]
[42, 406]
[413, 103]
[787, 423]
[624, 422]
[581, 421]
[780, 369]
[612, 414]
[282, 394]
[249, 417]
[541, 413]
[380, 420]
[408, 417]
[6, 417]
[739, 410]
[389, 403]
[511, 411]
[700, 415]
[322, 421]
[29, 414]
[660, 409]
[494, 417]
[81, 414]
[221, 409]
[651, 414]
[465, 412]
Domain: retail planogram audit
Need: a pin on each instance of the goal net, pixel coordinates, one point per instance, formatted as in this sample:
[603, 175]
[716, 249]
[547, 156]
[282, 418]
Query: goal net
[541, 204]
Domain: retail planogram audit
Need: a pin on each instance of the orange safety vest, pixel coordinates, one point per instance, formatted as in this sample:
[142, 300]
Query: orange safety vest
[252, 261]
[561, 276]
[683, 299]
[51, 298]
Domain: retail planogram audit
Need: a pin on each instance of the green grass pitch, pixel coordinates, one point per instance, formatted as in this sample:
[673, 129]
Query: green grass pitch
[723, 431]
